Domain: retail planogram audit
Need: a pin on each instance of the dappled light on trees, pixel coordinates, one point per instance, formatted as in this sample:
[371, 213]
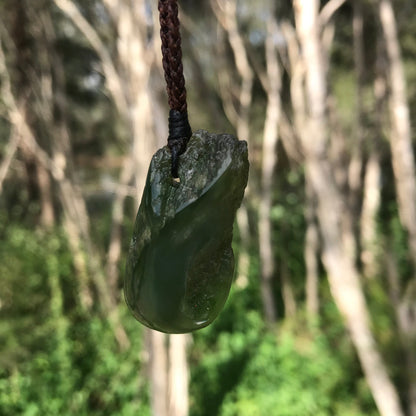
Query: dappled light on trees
[321, 314]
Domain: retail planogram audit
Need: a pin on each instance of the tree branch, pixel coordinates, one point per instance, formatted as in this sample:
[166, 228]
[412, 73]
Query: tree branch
[226, 14]
[9, 155]
[112, 78]
[328, 11]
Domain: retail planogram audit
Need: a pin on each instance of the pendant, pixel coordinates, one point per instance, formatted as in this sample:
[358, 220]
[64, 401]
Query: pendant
[180, 264]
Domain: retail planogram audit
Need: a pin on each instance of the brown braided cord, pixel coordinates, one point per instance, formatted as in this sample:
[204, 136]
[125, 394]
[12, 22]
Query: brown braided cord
[179, 129]
[172, 54]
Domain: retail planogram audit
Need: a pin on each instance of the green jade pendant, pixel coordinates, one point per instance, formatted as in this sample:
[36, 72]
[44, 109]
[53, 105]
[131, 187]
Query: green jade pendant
[180, 265]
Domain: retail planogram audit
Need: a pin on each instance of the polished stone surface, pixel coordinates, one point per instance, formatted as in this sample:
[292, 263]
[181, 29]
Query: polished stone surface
[180, 265]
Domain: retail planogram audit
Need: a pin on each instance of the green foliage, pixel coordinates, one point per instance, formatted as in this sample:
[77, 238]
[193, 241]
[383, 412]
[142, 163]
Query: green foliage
[252, 372]
[241, 368]
[296, 379]
[55, 358]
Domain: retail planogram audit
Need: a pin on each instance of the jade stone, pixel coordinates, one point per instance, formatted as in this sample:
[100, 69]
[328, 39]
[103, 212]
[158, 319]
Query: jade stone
[180, 264]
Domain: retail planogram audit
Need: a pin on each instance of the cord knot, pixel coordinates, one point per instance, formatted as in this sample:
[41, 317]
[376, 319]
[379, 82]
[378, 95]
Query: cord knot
[179, 134]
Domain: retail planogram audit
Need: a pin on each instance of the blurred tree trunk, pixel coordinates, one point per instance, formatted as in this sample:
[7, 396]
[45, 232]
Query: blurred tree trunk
[288, 293]
[243, 261]
[114, 247]
[269, 161]
[372, 182]
[226, 13]
[238, 112]
[405, 179]
[10, 151]
[337, 256]
[312, 239]
[47, 213]
[369, 211]
[39, 183]
[158, 368]
[178, 401]
[236, 101]
[168, 372]
[356, 163]
[311, 255]
[401, 137]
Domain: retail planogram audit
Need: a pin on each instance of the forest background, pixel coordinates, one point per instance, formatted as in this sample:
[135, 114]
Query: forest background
[321, 319]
